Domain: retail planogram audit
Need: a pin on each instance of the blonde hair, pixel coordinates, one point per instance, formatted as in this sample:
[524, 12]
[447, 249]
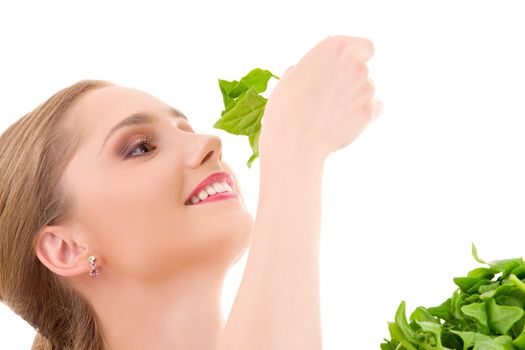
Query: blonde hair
[34, 152]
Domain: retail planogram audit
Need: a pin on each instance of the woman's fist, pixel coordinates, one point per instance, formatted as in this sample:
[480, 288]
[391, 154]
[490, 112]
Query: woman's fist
[323, 102]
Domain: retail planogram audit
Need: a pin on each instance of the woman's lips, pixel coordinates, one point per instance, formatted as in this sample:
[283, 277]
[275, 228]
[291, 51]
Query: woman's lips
[220, 176]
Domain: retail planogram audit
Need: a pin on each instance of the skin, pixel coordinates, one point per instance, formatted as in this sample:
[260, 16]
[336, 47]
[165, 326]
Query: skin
[161, 264]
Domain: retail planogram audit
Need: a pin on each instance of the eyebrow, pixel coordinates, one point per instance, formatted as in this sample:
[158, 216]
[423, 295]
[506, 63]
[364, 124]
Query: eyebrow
[139, 118]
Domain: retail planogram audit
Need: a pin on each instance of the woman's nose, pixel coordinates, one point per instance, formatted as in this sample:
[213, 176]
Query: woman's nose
[208, 148]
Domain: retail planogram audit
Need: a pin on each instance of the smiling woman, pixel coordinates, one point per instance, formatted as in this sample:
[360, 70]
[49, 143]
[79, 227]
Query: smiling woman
[87, 193]
[113, 234]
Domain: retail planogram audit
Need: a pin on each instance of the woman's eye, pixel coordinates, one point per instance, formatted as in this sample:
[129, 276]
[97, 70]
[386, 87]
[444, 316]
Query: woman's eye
[140, 148]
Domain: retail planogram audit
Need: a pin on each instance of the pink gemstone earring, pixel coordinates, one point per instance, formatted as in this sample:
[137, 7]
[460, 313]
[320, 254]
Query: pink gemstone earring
[92, 266]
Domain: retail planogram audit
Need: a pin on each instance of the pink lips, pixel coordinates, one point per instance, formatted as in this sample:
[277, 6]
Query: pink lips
[220, 176]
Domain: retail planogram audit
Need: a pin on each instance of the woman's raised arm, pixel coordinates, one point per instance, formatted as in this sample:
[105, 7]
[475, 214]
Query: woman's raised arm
[318, 106]
[277, 305]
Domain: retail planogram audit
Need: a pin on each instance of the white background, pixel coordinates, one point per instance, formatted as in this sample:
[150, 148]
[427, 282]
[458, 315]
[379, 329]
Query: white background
[441, 168]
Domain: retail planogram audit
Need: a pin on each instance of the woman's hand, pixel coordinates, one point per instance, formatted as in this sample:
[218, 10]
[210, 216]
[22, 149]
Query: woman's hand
[322, 103]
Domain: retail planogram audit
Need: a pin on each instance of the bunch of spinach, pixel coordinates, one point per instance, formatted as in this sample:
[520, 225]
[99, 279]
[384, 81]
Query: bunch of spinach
[244, 107]
[485, 312]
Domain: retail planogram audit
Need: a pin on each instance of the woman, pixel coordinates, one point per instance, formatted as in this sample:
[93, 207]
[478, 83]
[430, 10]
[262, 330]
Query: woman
[104, 243]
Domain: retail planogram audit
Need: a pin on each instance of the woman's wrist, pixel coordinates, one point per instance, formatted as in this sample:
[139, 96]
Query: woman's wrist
[290, 157]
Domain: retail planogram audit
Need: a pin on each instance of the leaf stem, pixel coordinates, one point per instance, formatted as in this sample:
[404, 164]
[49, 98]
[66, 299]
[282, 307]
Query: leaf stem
[517, 282]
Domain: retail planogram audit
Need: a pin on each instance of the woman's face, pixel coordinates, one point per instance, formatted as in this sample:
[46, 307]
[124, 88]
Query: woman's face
[129, 196]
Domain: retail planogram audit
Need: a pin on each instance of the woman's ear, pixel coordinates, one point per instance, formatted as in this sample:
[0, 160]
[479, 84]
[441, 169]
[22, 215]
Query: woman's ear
[61, 251]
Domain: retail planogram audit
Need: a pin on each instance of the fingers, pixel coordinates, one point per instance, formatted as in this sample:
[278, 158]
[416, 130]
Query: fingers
[377, 106]
[378, 109]
[362, 46]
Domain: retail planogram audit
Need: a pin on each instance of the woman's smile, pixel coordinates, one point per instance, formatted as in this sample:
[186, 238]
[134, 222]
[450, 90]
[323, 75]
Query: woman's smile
[216, 197]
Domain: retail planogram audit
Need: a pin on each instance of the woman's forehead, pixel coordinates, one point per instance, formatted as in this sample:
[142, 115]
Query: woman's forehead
[110, 104]
[99, 110]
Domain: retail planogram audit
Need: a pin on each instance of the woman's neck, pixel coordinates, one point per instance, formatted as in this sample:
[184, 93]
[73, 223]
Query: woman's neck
[182, 313]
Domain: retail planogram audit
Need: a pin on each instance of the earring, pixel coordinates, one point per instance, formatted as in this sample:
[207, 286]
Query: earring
[92, 267]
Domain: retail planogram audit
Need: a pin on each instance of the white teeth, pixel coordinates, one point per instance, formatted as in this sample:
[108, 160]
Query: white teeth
[219, 187]
[211, 190]
[227, 186]
[202, 195]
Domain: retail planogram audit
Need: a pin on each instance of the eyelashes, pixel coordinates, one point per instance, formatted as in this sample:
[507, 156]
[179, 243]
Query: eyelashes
[143, 141]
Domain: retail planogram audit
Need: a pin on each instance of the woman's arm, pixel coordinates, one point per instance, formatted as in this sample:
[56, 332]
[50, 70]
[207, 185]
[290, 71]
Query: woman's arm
[320, 105]
[278, 303]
